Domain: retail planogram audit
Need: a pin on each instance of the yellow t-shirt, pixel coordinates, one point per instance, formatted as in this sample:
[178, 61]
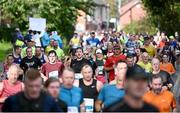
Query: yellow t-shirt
[75, 41]
[147, 67]
[150, 50]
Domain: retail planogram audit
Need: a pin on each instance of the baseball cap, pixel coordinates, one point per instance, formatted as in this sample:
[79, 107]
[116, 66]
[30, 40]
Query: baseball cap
[171, 37]
[136, 73]
[98, 51]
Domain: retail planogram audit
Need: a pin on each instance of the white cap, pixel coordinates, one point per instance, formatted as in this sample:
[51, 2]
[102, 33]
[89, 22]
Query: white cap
[98, 51]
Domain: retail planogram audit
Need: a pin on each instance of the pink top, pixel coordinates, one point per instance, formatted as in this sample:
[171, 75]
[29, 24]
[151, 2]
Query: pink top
[52, 70]
[9, 89]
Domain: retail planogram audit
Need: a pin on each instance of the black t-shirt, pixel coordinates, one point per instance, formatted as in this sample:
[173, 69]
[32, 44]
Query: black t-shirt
[27, 63]
[166, 78]
[62, 105]
[122, 106]
[77, 65]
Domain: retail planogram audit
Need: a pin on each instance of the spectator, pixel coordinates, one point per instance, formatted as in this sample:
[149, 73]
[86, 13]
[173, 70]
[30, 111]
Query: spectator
[45, 39]
[57, 38]
[52, 86]
[32, 98]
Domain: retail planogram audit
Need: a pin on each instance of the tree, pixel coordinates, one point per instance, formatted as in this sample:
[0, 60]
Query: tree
[163, 15]
[61, 15]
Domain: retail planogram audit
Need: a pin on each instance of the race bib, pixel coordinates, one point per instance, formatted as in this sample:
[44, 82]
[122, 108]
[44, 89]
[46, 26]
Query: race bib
[100, 70]
[53, 74]
[89, 104]
[72, 109]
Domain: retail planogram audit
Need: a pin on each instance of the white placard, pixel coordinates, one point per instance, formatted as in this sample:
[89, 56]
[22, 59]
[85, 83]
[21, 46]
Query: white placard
[89, 104]
[38, 24]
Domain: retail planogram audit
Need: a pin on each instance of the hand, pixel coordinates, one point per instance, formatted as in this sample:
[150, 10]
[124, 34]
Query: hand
[170, 85]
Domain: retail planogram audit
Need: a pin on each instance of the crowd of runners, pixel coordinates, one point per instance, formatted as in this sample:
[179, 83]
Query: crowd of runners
[104, 71]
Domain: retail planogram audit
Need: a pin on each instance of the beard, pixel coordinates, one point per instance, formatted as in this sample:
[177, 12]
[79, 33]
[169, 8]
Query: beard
[157, 90]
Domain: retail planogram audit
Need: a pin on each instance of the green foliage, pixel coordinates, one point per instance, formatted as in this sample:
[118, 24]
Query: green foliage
[142, 26]
[61, 15]
[163, 14]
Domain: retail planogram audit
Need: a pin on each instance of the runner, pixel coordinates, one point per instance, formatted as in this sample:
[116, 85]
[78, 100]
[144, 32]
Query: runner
[32, 98]
[10, 86]
[135, 87]
[100, 72]
[90, 87]
[71, 95]
[114, 91]
[167, 81]
[77, 64]
[39, 54]
[52, 86]
[162, 99]
[93, 41]
[166, 66]
[17, 55]
[30, 61]
[53, 68]
[145, 63]
[111, 62]
[8, 62]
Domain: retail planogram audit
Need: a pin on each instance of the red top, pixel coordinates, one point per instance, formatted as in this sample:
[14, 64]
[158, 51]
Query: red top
[52, 70]
[112, 61]
[9, 89]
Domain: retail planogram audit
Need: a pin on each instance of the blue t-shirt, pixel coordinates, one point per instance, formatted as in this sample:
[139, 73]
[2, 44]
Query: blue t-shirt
[72, 97]
[93, 42]
[110, 94]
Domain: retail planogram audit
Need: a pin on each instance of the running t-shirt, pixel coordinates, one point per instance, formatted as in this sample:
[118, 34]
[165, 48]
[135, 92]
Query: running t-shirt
[9, 89]
[73, 97]
[112, 61]
[163, 101]
[110, 94]
[52, 70]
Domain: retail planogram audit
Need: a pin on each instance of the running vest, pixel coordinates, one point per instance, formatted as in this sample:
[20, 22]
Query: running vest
[42, 59]
[17, 60]
[89, 91]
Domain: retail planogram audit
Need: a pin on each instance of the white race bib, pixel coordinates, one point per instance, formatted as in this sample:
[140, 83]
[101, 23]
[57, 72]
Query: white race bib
[89, 104]
[53, 74]
[72, 109]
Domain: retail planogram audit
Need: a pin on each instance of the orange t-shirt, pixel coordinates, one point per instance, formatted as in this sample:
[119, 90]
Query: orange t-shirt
[167, 67]
[164, 101]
